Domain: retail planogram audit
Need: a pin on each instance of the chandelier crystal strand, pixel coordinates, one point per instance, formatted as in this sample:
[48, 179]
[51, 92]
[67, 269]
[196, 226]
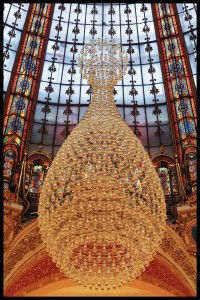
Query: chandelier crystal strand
[102, 209]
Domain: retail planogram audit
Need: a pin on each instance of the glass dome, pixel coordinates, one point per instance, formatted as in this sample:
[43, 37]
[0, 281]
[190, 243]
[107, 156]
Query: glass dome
[46, 96]
[64, 95]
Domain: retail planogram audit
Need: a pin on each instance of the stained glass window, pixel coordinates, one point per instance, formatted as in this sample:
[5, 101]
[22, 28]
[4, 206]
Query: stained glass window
[181, 95]
[164, 179]
[21, 97]
[64, 95]
[34, 172]
[192, 166]
[9, 161]
[14, 16]
[188, 19]
[37, 177]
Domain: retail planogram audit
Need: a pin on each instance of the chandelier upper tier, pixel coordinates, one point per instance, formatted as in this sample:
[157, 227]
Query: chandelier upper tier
[102, 209]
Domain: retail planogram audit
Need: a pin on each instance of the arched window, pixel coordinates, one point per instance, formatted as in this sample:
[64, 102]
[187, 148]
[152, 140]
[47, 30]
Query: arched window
[192, 166]
[8, 163]
[37, 177]
[36, 166]
[163, 173]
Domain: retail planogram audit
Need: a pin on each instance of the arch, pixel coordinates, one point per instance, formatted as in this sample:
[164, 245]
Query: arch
[24, 270]
[163, 157]
[167, 172]
[188, 150]
[39, 154]
[65, 287]
[163, 173]
[35, 168]
[37, 164]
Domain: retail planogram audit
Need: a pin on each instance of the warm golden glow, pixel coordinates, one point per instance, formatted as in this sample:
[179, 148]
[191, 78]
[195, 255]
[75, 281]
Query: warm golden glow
[102, 209]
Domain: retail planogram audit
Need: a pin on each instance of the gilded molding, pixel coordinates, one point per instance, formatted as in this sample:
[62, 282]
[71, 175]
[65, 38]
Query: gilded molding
[178, 252]
[162, 273]
[192, 200]
[28, 242]
[27, 246]
[9, 197]
[186, 221]
[34, 273]
[11, 222]
[40, 271]
[8, 232]
[189, 240]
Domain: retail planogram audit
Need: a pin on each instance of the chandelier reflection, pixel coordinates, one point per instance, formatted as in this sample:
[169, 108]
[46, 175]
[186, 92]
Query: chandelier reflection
[102, 209]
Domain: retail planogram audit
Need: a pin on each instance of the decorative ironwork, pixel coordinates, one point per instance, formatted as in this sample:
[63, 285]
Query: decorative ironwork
[129, 31]
[133, 91]
[143, 8]
[94, 10]
[127, 10]
[111, 31]
[12, 34]
[93, 31]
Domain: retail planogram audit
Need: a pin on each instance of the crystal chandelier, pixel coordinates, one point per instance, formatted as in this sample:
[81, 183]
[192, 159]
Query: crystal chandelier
[102, 209]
